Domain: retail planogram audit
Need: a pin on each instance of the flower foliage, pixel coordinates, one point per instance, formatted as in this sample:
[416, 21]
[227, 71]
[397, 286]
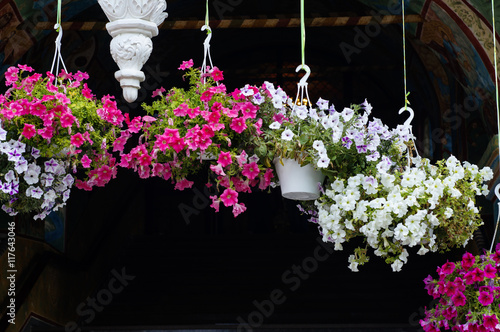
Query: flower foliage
[50, 126]
[467, 295]
[186, 129]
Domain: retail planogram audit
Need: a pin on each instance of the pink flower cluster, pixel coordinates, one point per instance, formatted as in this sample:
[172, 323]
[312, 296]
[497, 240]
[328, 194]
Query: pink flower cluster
[468, 294]
[60, 116]
[184, 127]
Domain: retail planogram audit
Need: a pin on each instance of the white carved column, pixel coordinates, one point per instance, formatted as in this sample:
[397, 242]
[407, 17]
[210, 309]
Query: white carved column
[132, 25]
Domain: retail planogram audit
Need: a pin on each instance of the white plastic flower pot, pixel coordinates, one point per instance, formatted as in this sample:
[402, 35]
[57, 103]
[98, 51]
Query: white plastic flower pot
[300, 183]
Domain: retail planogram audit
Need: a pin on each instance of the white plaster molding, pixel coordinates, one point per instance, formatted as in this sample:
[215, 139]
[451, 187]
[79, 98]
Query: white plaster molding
[132, 25]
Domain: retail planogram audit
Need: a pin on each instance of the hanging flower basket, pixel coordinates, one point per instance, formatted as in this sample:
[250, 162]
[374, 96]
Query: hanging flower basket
[50, 127]
[467, 295]
[301, 183]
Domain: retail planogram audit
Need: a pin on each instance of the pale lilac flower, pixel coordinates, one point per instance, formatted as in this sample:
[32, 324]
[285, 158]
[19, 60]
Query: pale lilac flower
[301, 112]
[3, 134]
[258, 99]
[46, 179]
[14, 189]
[31, 177]
[20, 146]
[368, 108]
[373, 157]
[65, 195]
[68, 180]
[10, 176]
[14, 155]
[322, 104]
[21, 166]
[346, 142]
[36, 192]
[51, 166]
[35, 153]
[361, 148]
[347, 114]
[247, 90]
[253, 159]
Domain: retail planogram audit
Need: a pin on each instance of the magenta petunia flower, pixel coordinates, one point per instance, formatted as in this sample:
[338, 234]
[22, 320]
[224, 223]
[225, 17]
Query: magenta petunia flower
[216, 74]
[448, 268]
[490, 322]
[490, 271]
[468, 260]
[485, 298]
[86, 161]
[229, 197]
[458, 299]
[29, 131]
[238, 209]
[186, 64]
[238, 125]
[77, 140]
[251, 171]
[224, 158]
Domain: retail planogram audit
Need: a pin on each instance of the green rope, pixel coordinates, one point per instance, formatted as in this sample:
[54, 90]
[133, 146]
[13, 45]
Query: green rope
[206, 16]
[495, 80]
[404, 52]
[303, 32]
[58, 19]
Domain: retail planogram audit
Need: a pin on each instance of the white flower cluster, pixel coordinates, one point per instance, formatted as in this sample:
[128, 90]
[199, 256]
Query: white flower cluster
[346, 128]
[51, 185]
[403, 210]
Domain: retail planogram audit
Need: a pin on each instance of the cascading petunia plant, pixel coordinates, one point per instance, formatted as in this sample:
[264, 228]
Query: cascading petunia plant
[467, 295]
[185, 129]
[373, 192]
[50, 127]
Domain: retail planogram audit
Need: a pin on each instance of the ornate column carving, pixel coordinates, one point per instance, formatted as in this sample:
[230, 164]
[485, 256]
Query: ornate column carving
[132, 25]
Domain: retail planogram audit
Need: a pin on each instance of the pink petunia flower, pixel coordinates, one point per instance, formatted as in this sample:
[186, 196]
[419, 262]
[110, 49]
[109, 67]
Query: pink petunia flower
[216, 74]
[238, 209]
[77, 140]
[46, 132]
[229, 197]
[251, 171]
[238, 125]
[86, 161]
[67, 119]
[29, 131]
[224, 158]
[183, 184]
[186, 64]
[158, 92]
[215, 203]
[181, 110]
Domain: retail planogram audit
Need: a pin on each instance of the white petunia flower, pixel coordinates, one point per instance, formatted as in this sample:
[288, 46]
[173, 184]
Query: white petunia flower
[287, 135]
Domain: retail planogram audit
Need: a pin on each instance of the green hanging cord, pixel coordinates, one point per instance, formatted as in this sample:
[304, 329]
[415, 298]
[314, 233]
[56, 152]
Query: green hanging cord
[404, 53]
[207, 21]
[495, 84]
[58, 19]
[303, 32]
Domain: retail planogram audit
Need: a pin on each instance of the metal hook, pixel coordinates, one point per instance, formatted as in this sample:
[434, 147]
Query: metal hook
[303, 80]
[412, 115]
[497, 192]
